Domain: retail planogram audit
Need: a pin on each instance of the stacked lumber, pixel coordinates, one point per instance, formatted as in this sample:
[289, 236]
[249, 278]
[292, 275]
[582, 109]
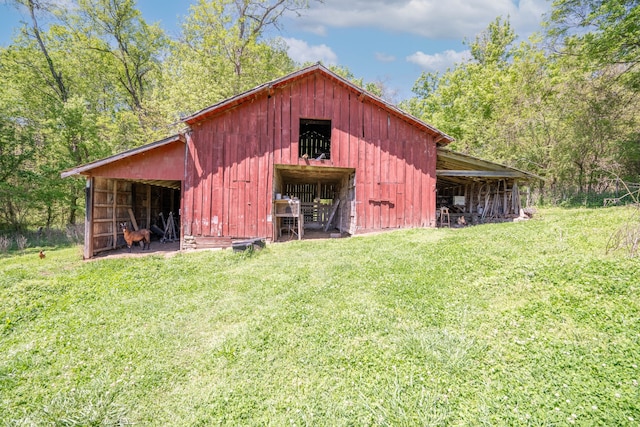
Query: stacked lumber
[202, 242]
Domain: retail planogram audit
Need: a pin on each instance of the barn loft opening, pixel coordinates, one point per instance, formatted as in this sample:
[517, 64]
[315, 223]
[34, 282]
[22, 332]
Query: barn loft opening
[315, 139]
[325, 196]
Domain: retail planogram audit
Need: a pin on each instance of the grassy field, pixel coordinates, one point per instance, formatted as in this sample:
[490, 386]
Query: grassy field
[527, 323]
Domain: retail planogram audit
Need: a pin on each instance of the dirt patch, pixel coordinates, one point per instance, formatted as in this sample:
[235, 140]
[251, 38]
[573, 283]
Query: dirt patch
[165, 249]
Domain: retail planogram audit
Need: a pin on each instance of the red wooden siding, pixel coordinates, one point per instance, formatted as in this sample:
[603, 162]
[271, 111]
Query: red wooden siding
[230, 167]
[163, 163]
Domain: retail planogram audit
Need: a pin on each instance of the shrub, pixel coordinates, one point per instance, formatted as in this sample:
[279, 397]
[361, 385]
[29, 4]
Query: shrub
[5, 243]
[21, 241]
[75, 233]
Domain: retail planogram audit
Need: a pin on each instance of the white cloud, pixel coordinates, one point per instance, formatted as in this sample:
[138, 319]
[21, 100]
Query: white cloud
[318, 30]
[439, 61]
[383, 57]
[301, 52]
[529, 16]
[451, 19]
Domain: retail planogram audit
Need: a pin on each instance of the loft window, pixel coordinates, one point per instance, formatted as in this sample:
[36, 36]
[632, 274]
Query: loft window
[315, 139]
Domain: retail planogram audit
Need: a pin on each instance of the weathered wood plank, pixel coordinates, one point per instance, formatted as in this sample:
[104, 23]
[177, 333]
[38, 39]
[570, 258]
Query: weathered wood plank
[425, 181]
[385, 174]
[197, 183]
[319, 97]
[207, 161]
[417, 178]
[291, 125]
[262, 195]
[332, 112]
[433, 157]
[480, 173]
[88, 219]
[207, 242]
[275, 113]
[189, 184]
[217, 182]
[359, 145]
[377, 118]
[228, 177]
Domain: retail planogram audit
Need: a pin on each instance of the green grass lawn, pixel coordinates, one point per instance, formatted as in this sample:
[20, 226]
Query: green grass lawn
[528, 323]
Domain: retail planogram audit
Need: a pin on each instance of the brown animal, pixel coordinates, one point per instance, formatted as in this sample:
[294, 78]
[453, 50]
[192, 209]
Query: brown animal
[41, 255]
[131, 237]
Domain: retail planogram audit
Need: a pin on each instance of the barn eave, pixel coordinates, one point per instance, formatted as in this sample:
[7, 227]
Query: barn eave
[454, 166]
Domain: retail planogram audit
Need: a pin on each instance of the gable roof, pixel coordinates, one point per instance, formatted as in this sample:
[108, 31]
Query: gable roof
[441, 138]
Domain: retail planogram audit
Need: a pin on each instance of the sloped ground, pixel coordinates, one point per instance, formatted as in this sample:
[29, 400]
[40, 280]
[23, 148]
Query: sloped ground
[528, 323]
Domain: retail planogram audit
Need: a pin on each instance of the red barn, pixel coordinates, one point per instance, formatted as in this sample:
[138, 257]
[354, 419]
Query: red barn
[307, 153]
[314, 137]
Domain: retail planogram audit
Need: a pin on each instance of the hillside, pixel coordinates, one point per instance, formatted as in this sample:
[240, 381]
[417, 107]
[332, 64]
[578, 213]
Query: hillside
[528, 323]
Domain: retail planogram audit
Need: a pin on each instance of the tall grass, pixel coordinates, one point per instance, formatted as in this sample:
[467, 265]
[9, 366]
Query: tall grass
[41, 238]
[509, 324]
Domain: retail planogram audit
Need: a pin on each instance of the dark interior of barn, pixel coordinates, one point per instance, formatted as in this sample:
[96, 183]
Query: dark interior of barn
[312, 201]
[153, 205]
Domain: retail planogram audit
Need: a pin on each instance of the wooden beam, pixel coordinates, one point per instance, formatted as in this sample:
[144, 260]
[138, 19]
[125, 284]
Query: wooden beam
[149, 207]
[479, 173]
[134, 223]
[331, 215]
[114, 215]
[88, 220]
[440, 138]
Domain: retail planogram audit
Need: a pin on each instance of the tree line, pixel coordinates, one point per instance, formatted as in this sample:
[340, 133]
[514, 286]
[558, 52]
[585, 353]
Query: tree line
[85, 79]
[563, 104]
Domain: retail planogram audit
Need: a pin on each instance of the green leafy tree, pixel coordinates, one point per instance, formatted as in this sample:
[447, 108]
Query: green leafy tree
[526, 107]
[224, 49]
[464, 100]
[116, 28]
[79, 88]
[17, 147]
[601, 32]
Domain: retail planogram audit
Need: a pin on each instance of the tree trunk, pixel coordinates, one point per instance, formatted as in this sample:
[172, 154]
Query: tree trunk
[49, 216]
[73, 209]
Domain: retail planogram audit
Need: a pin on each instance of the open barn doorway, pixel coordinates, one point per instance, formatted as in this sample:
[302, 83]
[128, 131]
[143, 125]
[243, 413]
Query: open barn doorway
[473, 190]
[153, 205]
[324, 196]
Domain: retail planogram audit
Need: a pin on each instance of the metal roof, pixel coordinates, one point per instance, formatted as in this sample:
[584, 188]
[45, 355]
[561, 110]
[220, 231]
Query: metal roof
[457, 167]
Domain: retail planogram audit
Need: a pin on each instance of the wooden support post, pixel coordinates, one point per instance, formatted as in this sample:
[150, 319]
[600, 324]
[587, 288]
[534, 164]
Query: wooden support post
[88, 221]
[149, 207]
[471, 193]
[466, 199]
[300, 223]
[505, 209]
[114, 216]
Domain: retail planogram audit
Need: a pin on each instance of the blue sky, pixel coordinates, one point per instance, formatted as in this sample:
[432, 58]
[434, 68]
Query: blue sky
[391, 41]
